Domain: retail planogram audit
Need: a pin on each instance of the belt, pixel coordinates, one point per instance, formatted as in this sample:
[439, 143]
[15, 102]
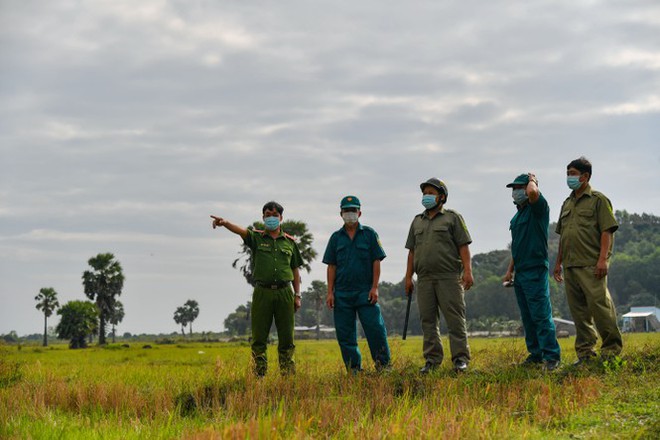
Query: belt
[273, 285]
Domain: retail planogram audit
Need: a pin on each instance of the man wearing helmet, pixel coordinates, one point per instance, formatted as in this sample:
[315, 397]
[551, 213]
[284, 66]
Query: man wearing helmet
[438, 252]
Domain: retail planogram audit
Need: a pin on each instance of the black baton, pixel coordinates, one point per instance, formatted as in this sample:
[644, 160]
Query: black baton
[405, 324]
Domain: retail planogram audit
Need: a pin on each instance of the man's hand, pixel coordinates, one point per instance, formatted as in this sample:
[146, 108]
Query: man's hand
[508, 277]
[296, 303]
[373, 295]
[218, 221]
[557, 273]
[330, 300]
[532, 178]
[410, 286]
[467, 281]
[601, 269]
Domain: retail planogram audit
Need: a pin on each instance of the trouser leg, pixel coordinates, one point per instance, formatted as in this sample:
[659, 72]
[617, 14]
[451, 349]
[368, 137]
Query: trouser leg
[452, 303]
[285, 322]
[262, 318]
[586, 336]
[374, 330]
[537, 296]
[602, 310]
[531, 340]
[429, 315]
[346, 330]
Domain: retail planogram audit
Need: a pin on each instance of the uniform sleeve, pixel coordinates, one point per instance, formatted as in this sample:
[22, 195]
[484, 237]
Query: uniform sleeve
[461, 234]
[561, 211]
[296, 257]
[410, 242]
[540, 208]
[606, 219]
[249, 239]
[330, 255]
[377, 251]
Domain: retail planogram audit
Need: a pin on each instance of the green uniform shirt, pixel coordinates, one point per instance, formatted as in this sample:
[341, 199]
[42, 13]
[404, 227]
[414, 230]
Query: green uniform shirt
[435, 243]
[354, 258]
[581, 223]
[274, 259]
[529, 235]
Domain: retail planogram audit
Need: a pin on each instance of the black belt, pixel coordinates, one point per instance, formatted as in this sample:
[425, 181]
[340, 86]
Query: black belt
[274, 285]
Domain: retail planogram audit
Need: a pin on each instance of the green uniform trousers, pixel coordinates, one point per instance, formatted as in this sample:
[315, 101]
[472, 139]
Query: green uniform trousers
[269, 304]
[593, 312]
[434, 296]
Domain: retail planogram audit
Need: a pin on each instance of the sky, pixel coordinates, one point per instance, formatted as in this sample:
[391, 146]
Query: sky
[124, 125]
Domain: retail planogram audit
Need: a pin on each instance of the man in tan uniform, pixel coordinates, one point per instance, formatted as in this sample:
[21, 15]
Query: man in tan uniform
[586, 226]
[439, 253]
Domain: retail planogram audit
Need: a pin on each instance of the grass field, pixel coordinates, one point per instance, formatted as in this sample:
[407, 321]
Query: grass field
[203, 391]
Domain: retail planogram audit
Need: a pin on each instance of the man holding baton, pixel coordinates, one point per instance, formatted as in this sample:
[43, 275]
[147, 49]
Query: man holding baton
[276, 266]
[438, 252]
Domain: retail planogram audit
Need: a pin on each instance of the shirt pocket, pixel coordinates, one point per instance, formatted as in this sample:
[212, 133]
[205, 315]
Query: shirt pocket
[286, 254]
[363, 251]
[585, 216]
[419, 236]
[441, 232]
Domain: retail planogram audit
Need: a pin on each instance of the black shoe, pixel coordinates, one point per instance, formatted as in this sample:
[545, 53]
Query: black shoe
[460, 366]
[530, 362]
[428, 368]
[551, 365]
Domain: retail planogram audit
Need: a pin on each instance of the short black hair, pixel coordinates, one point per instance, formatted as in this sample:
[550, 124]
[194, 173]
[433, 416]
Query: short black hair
[272, 205]
[581, 164]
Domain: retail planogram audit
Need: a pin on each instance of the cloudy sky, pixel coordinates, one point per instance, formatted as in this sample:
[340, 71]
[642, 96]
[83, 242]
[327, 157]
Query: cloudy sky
[123, 125]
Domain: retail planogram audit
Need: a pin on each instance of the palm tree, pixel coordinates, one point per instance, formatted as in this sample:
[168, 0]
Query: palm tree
[116, 316]
[102, 285]
[192, 312]
[181, 319]
[47, 302]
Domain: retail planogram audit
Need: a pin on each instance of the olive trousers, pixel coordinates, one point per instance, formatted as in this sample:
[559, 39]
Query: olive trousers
[434, 296]
[593, 312]
[269, 305]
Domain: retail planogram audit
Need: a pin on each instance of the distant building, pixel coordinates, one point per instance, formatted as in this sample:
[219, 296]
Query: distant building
[642, 319]
[564, 327]
[304, 332]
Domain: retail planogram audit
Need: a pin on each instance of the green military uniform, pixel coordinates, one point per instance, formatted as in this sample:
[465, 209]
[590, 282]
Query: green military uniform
[581, 223]
[437, 262]
[273, 297]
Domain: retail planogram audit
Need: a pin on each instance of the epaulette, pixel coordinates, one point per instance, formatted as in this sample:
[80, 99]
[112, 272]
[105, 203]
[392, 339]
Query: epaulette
[290, 237]
[259, 231]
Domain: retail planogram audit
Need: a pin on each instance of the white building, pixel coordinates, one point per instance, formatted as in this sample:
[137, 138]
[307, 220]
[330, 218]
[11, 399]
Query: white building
[642, 319]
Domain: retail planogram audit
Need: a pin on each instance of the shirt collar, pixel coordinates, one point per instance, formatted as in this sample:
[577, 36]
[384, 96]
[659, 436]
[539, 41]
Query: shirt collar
[587, 192]
[442, 211]
[359, 228]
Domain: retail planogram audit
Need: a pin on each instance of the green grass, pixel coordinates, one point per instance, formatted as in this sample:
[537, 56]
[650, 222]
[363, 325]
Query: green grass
[203, 390]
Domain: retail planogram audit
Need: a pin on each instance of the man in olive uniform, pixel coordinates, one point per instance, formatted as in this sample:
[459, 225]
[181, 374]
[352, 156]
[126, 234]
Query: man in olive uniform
[529, 261]
[276, 265]
[586, 226]
[439, 253]
[353, 256]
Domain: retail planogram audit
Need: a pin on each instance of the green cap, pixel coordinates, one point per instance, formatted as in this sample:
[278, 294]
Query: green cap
[523, 179]
[350, 202]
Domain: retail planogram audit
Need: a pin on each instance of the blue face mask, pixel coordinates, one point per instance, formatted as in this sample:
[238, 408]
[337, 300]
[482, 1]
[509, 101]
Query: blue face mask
[272, 223]
[573, 182]
[428, 201]
[519, 196]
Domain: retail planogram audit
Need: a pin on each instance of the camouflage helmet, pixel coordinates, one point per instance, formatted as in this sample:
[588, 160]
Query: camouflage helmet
[437, 184]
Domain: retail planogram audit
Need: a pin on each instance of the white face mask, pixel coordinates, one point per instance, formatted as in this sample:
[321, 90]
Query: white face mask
[349, 217]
